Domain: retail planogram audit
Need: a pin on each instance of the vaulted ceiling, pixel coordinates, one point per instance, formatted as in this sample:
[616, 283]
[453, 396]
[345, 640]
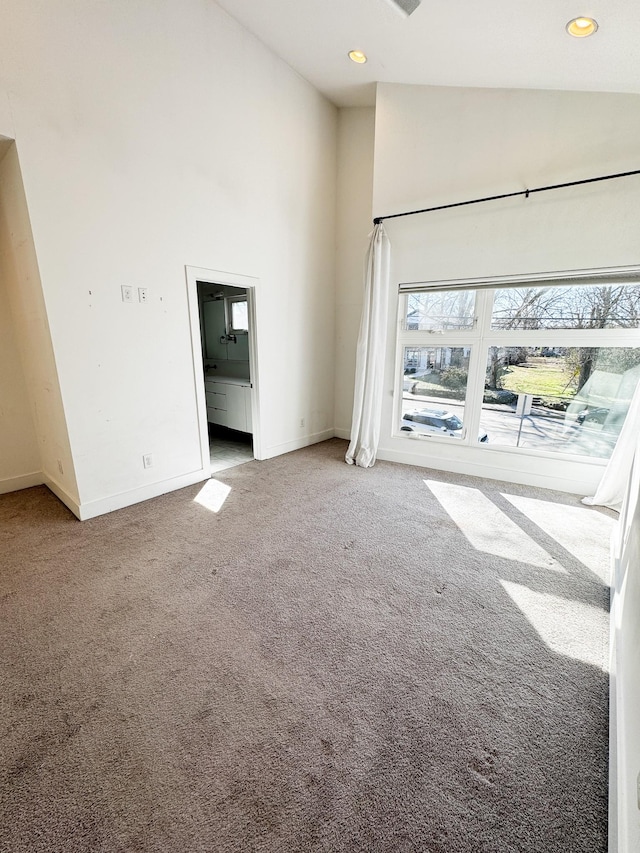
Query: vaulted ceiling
[498, 43]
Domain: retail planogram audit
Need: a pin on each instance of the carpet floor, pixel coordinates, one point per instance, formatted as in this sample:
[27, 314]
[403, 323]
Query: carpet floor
[306, 657]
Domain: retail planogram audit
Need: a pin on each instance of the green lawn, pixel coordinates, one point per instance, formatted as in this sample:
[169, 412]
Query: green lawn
[544, 377]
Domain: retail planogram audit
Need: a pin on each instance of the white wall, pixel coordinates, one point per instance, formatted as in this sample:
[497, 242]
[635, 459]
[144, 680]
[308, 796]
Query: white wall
[155, 135]
[34, 446]
[20, 459]
[436, 146]
[356, 128]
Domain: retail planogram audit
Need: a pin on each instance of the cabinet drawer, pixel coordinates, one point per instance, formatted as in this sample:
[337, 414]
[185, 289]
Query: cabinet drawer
[216, 400]
[215, 387]
[220, 417]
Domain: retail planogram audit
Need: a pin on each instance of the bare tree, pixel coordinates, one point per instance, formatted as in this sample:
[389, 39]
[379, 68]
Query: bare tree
[526, 307]
[445, 309]
[601, 307]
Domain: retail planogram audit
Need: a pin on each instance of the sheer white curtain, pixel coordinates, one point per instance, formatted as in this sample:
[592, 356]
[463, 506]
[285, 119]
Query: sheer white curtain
[613, 486]
[370, 356]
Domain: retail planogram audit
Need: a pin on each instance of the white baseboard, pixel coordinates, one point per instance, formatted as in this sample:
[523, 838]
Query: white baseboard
[24, 481]
[54, 486]
[342, 433]
[91, 509]
[491, 468]
[297, 443]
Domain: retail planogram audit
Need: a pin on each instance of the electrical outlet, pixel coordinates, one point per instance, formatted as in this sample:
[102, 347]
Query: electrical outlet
[143, 295]
[147, 460]
[127, 293]
[60, 468]
[301, 423]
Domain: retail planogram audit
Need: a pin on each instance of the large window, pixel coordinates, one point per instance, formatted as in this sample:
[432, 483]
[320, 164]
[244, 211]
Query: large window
[548, 366]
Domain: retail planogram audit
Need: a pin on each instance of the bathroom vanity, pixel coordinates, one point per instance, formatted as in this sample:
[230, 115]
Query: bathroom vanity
[229, 402]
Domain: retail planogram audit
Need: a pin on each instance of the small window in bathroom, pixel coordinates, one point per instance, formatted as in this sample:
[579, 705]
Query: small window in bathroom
[238, 315]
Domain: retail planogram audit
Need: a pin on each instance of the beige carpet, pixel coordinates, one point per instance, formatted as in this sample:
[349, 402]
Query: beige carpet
[339, 660]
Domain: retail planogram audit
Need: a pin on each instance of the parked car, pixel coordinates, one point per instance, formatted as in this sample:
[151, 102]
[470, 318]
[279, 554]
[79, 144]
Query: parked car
[435, 422]
[595, 416]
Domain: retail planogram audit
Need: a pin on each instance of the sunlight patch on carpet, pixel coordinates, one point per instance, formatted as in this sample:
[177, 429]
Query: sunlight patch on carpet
[488, 529]
[585, 533]
[568, 627]
[213, 495]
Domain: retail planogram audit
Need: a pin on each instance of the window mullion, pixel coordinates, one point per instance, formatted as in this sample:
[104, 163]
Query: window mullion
[484, 308]
[564, 337]
[477, 366]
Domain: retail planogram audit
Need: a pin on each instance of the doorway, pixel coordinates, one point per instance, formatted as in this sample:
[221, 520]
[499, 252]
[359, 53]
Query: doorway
[223, 315]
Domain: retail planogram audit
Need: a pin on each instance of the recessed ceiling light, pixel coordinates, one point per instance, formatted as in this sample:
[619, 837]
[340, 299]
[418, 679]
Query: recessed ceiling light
[357, 56]
[582, 27]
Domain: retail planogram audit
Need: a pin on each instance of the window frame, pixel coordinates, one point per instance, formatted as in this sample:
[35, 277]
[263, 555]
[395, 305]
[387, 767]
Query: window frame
[228, 305]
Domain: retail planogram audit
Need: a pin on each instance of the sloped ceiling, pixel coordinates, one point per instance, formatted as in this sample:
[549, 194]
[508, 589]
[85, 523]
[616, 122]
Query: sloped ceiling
[499, 43]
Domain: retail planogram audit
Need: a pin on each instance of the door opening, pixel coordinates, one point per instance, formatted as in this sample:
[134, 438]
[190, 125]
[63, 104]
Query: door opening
[225, 367]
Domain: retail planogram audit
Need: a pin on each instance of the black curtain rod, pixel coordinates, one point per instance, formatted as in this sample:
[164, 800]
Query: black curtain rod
[525, 193]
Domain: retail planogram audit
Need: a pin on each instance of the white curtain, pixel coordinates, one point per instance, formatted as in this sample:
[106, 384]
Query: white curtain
[613, 486]
[370, 357]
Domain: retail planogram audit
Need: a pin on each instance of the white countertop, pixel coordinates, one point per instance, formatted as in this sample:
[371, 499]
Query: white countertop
[226, 380]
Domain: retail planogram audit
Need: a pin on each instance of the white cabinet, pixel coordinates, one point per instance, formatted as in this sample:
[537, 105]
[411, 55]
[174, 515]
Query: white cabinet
[229, 403]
